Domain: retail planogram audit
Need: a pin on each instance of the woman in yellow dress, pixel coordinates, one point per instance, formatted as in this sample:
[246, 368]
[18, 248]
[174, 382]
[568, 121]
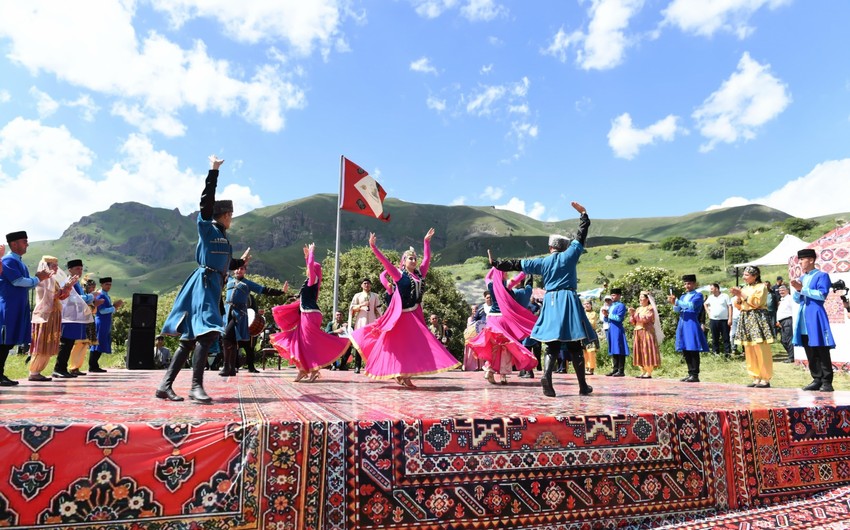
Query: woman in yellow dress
[590, 348]
[754, 332]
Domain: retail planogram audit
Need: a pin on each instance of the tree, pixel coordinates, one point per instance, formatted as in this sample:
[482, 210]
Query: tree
[441, 296]
[797, 226]
[677, 243]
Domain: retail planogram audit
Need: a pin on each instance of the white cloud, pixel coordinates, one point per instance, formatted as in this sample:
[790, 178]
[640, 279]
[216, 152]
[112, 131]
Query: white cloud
[472, 10]
[492, 193]
[458, 201]
[304, 25]
[433, 8]
[51, 161]
[483, 10]
[518, 205]
[751, 97]
[705, 18]
[149, 120]
[423, 64]
[486, 69]
[799, 196]
[47, 106]
[605, 43]
[436, 104]
[44, 104]
[509, 102]
[88, 108]
[66, 40]
[626, 140]
[5, 96]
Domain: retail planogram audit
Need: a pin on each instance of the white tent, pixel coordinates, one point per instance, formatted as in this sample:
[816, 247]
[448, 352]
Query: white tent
[779, 255]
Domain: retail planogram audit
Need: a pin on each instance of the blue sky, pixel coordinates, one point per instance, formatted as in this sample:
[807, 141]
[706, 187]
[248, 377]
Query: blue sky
[635, 108]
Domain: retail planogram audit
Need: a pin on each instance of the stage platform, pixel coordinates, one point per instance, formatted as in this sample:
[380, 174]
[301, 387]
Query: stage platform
[456, 453]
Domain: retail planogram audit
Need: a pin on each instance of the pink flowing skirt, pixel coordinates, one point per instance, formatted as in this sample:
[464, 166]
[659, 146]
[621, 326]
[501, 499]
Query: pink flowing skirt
[303, 341]
[399, 344]
[502, 336]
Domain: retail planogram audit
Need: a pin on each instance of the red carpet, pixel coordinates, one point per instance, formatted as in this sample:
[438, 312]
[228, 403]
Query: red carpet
[347, 452]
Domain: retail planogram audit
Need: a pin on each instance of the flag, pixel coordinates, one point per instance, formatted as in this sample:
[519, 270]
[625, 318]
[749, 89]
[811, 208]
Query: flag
[360, 193]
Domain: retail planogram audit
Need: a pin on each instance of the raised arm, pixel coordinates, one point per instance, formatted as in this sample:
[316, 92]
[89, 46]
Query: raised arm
[583, 223]
[314, 270]
[208, 195]
[426, 253]
[389, 268]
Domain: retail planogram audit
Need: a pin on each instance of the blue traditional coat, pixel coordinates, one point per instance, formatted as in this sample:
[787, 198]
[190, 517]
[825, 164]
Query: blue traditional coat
[689, 333]
[15, 283]
[811, 316]
[197, 308]
[76, 330]
[103, 324]
[618, 342]
[236, 304]
[562, 316]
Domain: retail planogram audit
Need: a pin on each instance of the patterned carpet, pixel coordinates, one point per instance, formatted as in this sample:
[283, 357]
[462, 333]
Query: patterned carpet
[347, 452]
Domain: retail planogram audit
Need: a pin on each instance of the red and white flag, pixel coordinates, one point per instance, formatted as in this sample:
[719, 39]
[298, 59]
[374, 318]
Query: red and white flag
[360, 193]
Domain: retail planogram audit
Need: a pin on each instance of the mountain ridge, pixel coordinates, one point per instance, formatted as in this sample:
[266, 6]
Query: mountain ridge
[153, 248]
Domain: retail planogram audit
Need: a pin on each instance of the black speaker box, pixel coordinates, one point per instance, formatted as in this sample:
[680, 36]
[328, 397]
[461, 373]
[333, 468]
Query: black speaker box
[140, 349]
[143, 314]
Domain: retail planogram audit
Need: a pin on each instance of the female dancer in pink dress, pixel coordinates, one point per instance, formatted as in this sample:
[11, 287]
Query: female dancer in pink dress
[302, 339]
[398, 345]
[508, 323]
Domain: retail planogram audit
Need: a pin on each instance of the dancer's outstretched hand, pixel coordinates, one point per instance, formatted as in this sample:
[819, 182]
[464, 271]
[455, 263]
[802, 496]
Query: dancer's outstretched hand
[215, 162]
[579, 208]
[490, 257]
[429, 235]
[373, 239]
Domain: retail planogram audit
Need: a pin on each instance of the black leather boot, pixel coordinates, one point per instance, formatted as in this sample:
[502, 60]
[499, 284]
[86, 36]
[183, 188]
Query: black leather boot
[60, 369]
[621, 365]
[550, 359]
[199, 364]
[164, 390]
[249, 358]
[94, 362]
[826, 383]
[229, 359]
[578, 365]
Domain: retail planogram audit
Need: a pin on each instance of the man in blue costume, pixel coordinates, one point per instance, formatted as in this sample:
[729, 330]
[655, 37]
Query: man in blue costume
[236, 303]
[15, 313]
[75, 320]
[618, 343]
[812, 330]
[103, 325]
[196, 315]
[562, 318]
[690, 338]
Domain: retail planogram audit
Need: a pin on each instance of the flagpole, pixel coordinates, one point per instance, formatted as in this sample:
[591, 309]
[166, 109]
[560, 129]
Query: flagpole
[336, 250]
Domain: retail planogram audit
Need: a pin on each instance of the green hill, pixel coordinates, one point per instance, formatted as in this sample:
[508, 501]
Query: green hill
[149, 249]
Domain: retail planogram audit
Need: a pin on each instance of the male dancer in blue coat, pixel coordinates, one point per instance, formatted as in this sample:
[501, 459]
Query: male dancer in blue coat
[562, 318]
[812, 330]
[196, 315]
[15, 313]
[618, 343]
[236, 323]
[103, 324]
[690, 338]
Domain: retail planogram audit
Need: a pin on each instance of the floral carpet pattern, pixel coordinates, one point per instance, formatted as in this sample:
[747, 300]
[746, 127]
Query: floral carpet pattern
[347, 452]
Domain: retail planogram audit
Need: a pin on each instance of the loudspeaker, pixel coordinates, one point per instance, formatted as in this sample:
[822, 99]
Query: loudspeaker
[144, 311]
[140, 349]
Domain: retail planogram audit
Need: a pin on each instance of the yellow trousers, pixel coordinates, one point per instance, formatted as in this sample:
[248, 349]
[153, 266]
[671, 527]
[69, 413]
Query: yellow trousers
[590, 359]
[78, 354]
[759, 361]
